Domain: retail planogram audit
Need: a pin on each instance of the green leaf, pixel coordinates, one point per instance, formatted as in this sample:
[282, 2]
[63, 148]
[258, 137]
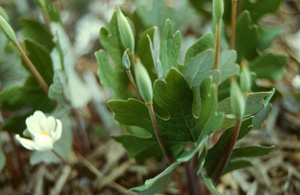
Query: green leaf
[32, 29]
[52, 10]
[203, 43]
[16, 124]
[12, 73]
[227, 65]
[250, 37]
[144, 52]
[254, 104]
[201, 6]
[199, 68]
[115, 78]
[158, 183]
[237, 164]
[41, 59]
[216, 151]
[269, 66]
[15, 98]
[180, 128]
[266, 36]
[210, 185]
[250, 151]
[155, 53]
[258, 8]
[109, 38]
[170, 47]
[247, 35]
[155, 15]
[260, 117]
[2, 156]
[161, 181]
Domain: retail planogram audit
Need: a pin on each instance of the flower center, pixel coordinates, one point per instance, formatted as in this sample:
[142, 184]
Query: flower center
[45, 133]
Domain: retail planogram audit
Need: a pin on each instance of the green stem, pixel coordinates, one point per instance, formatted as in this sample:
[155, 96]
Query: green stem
[32, 68]
[163, 148]
[217, 51]
[220, 167]
[233, 21]
[134, 85]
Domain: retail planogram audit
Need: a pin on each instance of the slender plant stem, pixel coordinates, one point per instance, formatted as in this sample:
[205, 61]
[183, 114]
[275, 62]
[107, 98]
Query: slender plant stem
[62, 159]
[217, 52]
[17, 153]
[233, 20]
[157, 134]
[32, 68]
[227, 152]
[163, 148]
[134, 85]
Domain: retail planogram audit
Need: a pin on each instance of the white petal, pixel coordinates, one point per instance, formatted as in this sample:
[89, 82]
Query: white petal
[44, 142]
[29, 144]
[33, 122]
[48, 124]
[56, 134]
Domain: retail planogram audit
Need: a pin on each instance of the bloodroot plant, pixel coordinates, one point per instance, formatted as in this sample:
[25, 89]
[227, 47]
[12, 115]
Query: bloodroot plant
[172, 110]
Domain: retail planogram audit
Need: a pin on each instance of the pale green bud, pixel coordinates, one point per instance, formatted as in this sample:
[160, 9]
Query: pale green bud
[144, 83]
[126, 61]
[237, 100]
[218, 9]
[3, 13]
[126, 34]
[245, 79]
[8, 31]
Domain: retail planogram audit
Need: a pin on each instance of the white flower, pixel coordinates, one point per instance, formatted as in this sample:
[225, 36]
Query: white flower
[44, 131]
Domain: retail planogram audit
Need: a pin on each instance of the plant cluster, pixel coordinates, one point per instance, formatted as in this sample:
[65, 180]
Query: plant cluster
[168, 108]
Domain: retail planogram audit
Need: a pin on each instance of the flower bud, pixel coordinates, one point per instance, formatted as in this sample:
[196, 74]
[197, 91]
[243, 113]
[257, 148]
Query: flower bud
[3, 13]
[245, 79]
[237, 100]
[126, 34]
[144, 83]
[218, 9]
[8, 31]
[126, 61]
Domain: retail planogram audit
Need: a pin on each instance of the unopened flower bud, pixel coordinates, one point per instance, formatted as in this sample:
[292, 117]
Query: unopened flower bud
[237, 100]
[144, 83]
[245, 79]
[3, 13]
[126, 34]
[218, 9]
[8, 31]
[126, 61]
